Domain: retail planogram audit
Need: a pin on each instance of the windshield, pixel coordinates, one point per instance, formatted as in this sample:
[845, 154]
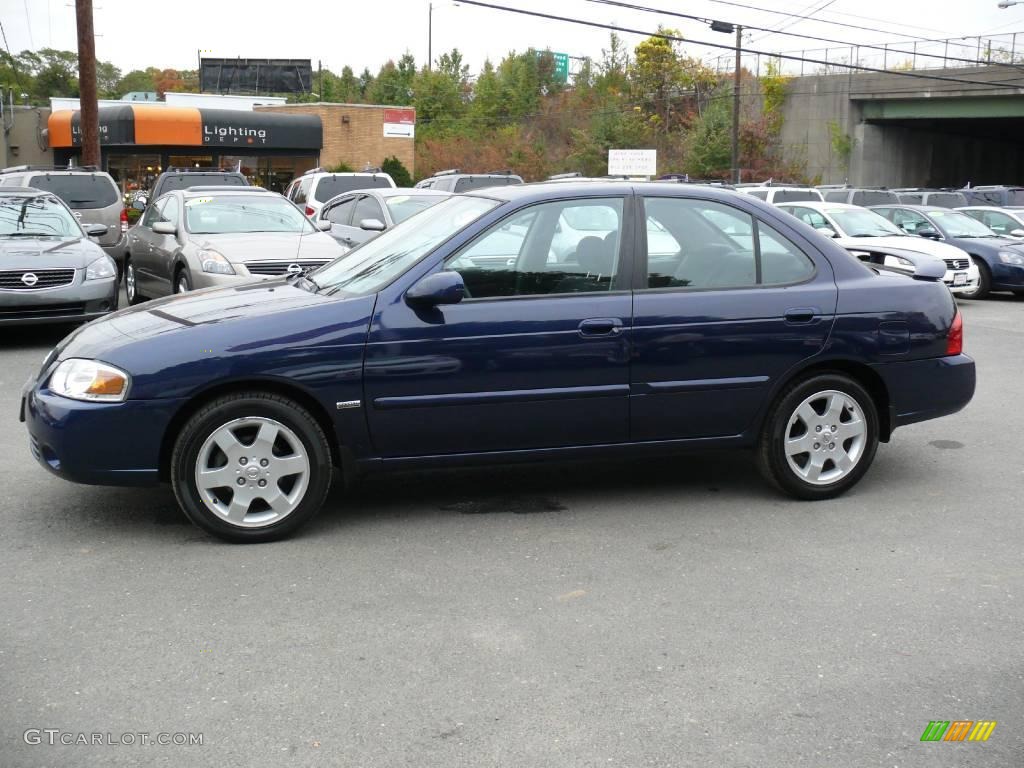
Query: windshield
[854, 223]
[956, 224]
[81, 191]
[229, 214]
[36, 216]
[329, 186]
[373, 265]
[404, 206]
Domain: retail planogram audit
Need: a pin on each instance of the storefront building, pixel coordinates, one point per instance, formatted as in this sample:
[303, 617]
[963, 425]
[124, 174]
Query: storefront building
[139, 140]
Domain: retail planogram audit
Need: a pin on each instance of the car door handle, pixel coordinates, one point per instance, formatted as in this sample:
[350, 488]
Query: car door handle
[600, 326]
[801, 314]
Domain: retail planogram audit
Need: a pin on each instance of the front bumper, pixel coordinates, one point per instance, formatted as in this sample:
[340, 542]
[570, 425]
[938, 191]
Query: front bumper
[97, 443]
[1007, 277]
[75, 303]
[968, 279]
[927, 389]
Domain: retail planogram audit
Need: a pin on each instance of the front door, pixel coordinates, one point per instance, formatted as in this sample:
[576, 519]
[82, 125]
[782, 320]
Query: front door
[726, 305]
[535, 356]
[140, 246]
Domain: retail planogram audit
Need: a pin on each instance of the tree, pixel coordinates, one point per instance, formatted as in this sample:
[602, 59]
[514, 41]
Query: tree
[107, 79]
[710, 142]
[136, 81]
[397, 170]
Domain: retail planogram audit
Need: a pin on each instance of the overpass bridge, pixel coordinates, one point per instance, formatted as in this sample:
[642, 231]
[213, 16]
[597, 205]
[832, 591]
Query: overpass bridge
[904, 131]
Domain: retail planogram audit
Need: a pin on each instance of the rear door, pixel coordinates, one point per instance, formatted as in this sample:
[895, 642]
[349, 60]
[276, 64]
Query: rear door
[722, 310]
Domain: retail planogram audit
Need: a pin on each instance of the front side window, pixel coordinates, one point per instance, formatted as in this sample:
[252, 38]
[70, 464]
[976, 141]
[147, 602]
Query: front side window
[550, 248]
[367, 208]
[170, 211]
[35, 216]
[229, 214]
[375, 264]
[152, 213]
[719, 247]
[341, 213]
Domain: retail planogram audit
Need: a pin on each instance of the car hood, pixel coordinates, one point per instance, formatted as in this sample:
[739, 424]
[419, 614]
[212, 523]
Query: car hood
[908, 243]
[988, 245]
[47, 253]
[271, 246]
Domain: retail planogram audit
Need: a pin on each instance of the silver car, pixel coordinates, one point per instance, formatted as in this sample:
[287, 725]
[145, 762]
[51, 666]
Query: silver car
[91, 194]
[51, 271]
[216, 236]
[356, 217]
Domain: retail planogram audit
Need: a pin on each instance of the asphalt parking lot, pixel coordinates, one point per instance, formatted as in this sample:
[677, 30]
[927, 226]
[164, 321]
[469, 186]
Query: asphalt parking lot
[657, 613]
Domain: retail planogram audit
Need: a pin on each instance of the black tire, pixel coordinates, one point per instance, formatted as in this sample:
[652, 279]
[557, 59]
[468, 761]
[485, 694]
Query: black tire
[771, 453]
[182, 280]
[984, 282]
[250, 405]
[131, 284]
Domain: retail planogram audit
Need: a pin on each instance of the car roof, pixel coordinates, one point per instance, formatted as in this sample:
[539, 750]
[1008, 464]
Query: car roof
[540, 191]
[398, 191]
[819, 205]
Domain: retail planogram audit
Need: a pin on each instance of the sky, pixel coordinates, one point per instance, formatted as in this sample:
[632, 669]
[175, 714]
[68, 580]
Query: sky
[136, 34]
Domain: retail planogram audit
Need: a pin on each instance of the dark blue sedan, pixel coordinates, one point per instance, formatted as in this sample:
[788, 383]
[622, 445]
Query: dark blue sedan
[517, 323]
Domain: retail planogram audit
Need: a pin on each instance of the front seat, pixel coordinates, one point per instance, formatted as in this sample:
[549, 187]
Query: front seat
[596, 261]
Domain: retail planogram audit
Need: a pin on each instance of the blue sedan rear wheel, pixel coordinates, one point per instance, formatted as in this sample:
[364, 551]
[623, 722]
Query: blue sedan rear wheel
[251, 467]
[820, 437]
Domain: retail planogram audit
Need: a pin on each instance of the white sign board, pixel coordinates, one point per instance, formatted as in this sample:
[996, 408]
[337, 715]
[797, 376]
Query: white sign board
[632, 162]
[399, 123]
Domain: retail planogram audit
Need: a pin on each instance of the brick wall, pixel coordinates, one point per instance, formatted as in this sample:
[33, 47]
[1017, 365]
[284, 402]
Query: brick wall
[354, 134]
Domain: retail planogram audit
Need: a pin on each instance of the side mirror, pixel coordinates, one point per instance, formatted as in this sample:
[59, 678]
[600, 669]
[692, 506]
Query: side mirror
[828, 232]
[438, 288]
[372, 225]
[1017, 233]
[324, 225]
[140, 204]
[930, 232]
[165, 228]
[96, 230]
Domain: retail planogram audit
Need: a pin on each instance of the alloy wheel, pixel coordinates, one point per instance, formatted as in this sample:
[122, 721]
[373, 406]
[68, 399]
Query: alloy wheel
[252, 472]
[825, 438]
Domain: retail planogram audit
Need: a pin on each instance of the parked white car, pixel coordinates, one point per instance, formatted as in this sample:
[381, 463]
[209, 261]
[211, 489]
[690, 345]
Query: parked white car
[1008, 222]
[780, 194]
[851, 225]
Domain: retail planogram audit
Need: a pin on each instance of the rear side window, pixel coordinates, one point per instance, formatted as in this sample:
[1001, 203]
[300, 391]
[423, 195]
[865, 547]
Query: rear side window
[718, 247]
[329, 186]
[796, 195]
[760, 194]
[873, 197]
[80, 191]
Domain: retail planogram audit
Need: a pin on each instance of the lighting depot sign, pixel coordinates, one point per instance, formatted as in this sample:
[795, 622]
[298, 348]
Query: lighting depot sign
[214, 133]
[632, 162]
[399, 123]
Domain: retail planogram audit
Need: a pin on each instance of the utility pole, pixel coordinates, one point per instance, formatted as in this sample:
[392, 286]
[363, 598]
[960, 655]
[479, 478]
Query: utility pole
[430, 34]
[736, 109]
[89, 110]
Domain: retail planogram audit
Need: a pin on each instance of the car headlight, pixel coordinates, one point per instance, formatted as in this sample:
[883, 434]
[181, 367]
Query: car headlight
[215, 262]
[1009, 257]
[89, 380]
[101, 269]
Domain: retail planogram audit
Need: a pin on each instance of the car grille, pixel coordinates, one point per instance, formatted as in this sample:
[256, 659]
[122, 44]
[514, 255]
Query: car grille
[41, 311]
[958, 263]
[13, 279]
[279, 267]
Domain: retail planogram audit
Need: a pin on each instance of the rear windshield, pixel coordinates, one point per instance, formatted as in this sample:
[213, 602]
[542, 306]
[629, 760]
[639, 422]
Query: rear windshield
[836, 196]
[329, 186]
[79, 190]
[481, 182]
[874, 197]
[796, 195]
[189, 180]
[911, 198]
[947, 199]
[1015, 197]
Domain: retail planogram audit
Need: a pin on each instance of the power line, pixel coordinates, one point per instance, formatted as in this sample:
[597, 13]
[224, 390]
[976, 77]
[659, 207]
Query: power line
[794, 22]
[844, 43]
[723, 46]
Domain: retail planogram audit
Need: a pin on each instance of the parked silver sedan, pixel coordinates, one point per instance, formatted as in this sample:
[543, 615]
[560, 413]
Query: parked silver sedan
[357, 216]
[215, 236]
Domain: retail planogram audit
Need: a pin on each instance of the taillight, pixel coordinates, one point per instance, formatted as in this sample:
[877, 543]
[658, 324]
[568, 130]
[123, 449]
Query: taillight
[309, 211]
[955, 338]
[124, 220]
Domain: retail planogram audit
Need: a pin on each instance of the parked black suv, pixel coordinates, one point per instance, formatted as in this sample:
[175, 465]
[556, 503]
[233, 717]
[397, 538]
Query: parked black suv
[186, 178]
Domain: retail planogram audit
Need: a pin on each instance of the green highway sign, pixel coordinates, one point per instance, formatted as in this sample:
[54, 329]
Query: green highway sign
[562, 67]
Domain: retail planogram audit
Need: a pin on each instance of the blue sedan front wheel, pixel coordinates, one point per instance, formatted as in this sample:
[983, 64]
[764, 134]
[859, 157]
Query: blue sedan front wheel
[251, 467]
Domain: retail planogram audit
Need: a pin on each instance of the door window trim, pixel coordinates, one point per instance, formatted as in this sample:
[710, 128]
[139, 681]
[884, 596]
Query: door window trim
[640, 275]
